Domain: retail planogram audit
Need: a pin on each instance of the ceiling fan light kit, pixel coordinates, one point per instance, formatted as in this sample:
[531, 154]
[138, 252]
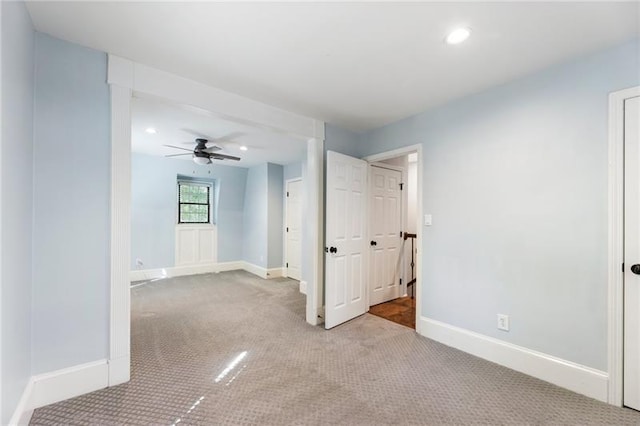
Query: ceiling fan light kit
[201, 160]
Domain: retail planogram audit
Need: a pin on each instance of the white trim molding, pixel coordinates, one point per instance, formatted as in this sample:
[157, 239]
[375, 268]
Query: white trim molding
[23, 412]
[569, 375]
[303, 287]
[263, 273]
[616, 242]
[68, 383]
[179, 271]
[119, 330]
[314, 237]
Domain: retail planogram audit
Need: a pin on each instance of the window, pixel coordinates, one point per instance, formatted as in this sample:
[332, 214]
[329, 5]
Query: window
[194, 202]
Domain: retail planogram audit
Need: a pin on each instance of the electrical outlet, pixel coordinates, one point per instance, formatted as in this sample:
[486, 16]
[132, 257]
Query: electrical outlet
[503, 322]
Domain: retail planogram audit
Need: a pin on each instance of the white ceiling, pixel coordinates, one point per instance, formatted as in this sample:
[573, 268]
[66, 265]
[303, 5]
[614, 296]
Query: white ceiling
[358, 65]
[180, 126]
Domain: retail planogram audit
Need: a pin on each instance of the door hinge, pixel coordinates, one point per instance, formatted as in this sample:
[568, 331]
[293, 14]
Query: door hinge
[401, 185]
[287, 193]
[287, 264]
[400, 281]
[623, 267]
[287, 229]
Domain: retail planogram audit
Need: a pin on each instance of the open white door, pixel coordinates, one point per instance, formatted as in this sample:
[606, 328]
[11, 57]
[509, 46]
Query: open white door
[386, 234]
[632, 253]
[345, 261]
[292, 229]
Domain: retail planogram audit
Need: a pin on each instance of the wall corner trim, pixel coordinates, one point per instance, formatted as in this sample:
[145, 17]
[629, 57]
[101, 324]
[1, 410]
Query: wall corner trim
[119, 371]
[22, 414]
[303, 287]
[566, 374]
[120, 71]
[66, 383]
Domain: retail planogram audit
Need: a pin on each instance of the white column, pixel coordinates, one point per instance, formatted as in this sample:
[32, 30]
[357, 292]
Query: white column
[119, 338]
[314, 184]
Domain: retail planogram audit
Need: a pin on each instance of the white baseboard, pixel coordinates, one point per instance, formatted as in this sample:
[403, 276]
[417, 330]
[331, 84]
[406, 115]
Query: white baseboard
[68, 383]
[22, 414]
[276, 272]
[178, 271]
[303, 287]
[119, 370]
[255, 269]
[263, 272]
[569, 375]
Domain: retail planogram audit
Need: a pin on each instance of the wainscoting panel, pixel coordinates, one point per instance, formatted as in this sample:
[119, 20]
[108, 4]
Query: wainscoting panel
[196, 245]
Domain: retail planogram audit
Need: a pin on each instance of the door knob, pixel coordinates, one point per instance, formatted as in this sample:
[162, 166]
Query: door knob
[373, 243]
[636, 268]
[333, 250]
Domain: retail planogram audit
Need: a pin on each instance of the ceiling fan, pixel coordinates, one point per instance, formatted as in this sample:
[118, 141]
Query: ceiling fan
[202, 153]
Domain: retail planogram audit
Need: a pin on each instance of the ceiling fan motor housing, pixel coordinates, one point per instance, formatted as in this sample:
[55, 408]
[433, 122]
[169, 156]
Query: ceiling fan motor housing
[201, 145]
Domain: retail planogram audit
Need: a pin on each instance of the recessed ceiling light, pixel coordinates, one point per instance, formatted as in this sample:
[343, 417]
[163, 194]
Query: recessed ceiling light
[243, 148]
[151, 130]
[458, 35]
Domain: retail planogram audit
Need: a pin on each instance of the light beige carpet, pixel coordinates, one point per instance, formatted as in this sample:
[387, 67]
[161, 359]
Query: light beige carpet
[231, 348]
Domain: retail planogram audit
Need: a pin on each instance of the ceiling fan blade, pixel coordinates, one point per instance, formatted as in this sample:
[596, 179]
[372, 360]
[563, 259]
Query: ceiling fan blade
[212, 149]
[226, 138]
[223, 157]
[178, 147]
[176, 155]
[229, 137]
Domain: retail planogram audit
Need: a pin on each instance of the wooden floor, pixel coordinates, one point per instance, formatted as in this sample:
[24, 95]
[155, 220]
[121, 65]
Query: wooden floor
[401, 311]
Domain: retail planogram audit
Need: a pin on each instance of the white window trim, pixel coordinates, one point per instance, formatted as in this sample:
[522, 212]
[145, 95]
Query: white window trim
[212, 200]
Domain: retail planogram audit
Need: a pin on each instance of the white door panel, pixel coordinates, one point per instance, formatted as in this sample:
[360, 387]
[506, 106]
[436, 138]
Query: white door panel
[345, 296]
[293, 231]
[385, 231]
[632, 253]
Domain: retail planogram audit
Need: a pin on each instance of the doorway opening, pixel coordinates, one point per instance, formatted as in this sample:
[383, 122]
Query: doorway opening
[366, 234]
[293, 231]
[624, 248]
[393, 189]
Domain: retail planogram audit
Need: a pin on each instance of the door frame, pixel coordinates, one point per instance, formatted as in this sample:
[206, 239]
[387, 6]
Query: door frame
[403, 222]
[126, 79]
[417, 148]
[616, 243]
[286, 216]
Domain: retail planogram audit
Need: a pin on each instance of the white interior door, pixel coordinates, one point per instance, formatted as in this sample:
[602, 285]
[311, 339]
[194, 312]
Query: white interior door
[632, 253]
[385, 219]
[292, 228]
[345, 262]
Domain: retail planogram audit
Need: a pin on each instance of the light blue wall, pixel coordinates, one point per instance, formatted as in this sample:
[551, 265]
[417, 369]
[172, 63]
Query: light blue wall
[343, 141]
[276, 215]
[153, 208]
[263, 216]
[292, 171]
[256, 217]
[71, 205]
[516, 181]
[16, 186]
